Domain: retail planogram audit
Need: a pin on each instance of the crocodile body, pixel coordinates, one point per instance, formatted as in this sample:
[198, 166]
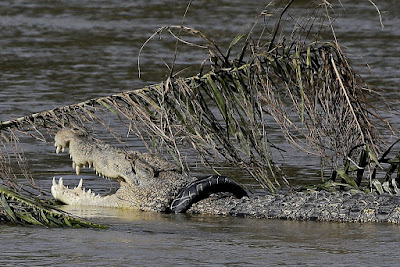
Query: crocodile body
[314, 206]
[150, 183]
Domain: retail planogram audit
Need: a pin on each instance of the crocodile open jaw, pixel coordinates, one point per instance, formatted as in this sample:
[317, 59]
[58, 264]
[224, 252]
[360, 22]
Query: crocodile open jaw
[86, 152]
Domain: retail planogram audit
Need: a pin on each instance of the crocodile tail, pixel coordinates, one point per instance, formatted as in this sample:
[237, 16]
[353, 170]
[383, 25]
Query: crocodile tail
[202, 189]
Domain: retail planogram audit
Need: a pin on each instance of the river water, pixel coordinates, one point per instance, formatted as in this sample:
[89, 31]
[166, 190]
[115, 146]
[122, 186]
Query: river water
[55, 53]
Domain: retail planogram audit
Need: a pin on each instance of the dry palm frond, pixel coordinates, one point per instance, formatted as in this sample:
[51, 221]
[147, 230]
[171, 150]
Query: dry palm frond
[308, 88]
[225, 113]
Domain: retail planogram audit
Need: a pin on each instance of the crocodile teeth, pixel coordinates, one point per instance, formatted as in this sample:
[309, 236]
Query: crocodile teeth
[54, 181]
[89, 165]
[58, 149]
[60, 181]
[77, 170]
[73, 165]
[80, 184]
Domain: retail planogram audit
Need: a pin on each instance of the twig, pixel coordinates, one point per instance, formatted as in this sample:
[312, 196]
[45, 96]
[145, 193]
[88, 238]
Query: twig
[348, 100]
[277, 25]
[379, 13]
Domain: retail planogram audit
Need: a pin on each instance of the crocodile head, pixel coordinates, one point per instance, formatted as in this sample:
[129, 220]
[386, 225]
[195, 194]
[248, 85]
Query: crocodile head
[140, 175]
[107, 161]
[146, 182]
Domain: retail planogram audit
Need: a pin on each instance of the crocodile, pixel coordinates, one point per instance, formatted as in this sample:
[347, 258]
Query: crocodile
[150, 183]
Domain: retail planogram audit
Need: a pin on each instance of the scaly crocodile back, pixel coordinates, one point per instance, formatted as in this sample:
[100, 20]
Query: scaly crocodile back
[202, 189]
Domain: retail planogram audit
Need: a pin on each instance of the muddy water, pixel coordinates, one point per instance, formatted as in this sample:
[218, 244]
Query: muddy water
[55, 53]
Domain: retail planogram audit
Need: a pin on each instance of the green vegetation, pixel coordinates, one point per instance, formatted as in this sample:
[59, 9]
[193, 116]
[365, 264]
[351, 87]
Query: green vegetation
[23, 210]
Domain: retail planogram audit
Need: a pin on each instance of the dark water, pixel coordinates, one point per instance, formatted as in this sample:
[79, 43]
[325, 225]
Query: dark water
[55, 53]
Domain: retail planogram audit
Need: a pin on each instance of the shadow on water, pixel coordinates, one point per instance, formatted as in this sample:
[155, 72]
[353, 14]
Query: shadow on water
[62, 52]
